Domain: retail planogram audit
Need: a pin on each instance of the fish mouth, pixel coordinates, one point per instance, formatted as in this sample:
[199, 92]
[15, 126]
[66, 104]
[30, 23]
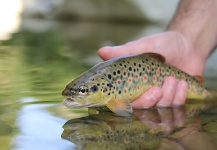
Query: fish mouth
[71, 103]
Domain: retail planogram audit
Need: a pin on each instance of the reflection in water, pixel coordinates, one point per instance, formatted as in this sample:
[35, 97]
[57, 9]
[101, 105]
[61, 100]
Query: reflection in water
[147, 129]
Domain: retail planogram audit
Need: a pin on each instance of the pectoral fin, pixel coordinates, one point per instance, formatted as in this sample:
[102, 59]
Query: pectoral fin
[120, 107]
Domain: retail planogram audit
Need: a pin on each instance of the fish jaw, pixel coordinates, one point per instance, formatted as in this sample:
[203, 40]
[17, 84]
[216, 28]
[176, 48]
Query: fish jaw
[76, 103]
[70, 103]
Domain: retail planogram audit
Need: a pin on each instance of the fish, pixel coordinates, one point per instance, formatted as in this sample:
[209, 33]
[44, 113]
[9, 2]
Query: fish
[117, 82]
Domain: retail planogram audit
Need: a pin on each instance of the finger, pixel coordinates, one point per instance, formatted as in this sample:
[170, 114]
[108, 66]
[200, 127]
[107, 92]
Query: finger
[181, 93]
[148, 99]
[169, 90]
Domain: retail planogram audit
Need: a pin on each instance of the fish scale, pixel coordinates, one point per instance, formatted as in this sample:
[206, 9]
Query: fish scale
[117, 82]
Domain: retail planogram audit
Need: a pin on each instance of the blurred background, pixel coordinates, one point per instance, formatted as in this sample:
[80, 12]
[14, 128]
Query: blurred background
[46, 43]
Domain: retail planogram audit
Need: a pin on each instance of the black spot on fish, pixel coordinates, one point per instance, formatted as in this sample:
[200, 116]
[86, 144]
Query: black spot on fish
[108, 93]
[134, 64]
[125, 66]
[120, 64]
[109, 85]
[94, 88]
[98, 84]
[119, 92]
[130, 68]
[134, 70]
[115, 65]
[109, 76]
[114, 73]
[152, 63]
[118, 71]
[140, 65]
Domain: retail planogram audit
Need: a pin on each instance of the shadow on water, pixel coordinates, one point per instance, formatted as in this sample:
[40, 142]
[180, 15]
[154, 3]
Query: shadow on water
[161, 128]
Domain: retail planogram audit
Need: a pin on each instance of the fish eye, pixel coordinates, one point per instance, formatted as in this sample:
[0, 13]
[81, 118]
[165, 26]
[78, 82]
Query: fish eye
[82, 90]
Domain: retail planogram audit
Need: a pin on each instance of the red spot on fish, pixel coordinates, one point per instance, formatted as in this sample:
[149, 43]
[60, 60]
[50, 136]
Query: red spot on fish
[162, 70]
[138, 87]
[129, 80]
[157, 72]
[119, 82]
[125, 91]
[154, 78]
[147, 67]
[130, 94]
[125, 73]
[172, 74]
[204, 92]
[145, 77]
[136, 76]
[183, 77]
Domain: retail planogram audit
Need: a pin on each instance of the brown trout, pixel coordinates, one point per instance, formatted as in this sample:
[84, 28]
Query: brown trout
[117, 82]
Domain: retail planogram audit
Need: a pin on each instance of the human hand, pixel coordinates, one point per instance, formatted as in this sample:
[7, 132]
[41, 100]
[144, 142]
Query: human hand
[178, 52]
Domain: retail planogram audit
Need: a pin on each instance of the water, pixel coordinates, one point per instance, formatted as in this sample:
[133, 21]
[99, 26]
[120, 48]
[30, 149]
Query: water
[42, 56]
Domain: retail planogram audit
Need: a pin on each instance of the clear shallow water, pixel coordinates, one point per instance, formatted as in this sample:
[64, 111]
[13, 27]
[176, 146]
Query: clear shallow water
[37, 62]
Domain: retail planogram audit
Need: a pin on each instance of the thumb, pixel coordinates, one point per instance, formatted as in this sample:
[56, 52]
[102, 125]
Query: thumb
[136, 47]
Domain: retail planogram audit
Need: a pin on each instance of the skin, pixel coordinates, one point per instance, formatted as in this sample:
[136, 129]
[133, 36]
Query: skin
[187, 43]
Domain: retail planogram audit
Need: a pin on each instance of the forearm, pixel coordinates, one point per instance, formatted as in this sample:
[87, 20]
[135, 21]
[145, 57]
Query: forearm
[196, 20]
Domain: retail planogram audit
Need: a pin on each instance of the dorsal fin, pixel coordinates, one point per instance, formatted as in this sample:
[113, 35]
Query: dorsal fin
[156, 56]
[199, 78]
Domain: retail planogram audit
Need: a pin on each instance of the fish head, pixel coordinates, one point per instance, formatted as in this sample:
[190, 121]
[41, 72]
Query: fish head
[91, 92]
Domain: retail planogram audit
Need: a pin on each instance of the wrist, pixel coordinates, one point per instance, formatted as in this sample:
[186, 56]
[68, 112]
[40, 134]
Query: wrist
[196, 22]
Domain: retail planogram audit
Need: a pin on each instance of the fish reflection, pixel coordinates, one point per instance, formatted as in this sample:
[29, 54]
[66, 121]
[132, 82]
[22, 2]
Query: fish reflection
[146, 129]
